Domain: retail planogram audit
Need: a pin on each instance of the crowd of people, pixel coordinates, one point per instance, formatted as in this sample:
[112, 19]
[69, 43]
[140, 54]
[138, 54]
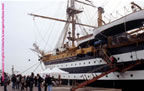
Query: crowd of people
[20, 82]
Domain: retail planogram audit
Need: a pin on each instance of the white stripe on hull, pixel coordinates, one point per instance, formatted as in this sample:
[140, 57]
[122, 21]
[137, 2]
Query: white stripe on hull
[128, 75]
[98, 61]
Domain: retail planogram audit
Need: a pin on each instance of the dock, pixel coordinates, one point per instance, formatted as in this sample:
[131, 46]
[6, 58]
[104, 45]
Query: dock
[63, 88]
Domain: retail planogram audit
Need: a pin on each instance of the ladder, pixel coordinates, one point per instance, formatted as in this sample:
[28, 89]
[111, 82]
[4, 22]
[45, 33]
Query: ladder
[105, 57]
[123, 69]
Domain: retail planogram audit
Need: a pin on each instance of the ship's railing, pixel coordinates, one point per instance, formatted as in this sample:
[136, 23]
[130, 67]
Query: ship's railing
[71, 52]
[126, 38]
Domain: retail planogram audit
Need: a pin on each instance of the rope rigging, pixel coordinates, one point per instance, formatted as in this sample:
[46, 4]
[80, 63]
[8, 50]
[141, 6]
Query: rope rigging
[36, 68]
[36, 64]
[29, 67]
[41, 66]
[78, 20]
[49, 33]
[53, 26]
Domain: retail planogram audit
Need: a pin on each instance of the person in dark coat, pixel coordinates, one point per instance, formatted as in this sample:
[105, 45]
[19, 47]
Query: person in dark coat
[27, 82]
[35, 82]
[39, 82]
[13, 79]
[31, 81]
[48, 82]
[5, 82]
[1, 81]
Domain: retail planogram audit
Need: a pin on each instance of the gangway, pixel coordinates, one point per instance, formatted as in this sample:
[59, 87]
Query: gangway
[115, 68]
[106, 56]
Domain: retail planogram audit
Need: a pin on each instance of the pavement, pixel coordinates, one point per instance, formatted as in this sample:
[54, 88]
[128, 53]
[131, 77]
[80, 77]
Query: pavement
[63, 88]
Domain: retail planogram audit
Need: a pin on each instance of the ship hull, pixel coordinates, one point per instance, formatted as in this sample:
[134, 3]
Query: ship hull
[84, 69]
[125, 85]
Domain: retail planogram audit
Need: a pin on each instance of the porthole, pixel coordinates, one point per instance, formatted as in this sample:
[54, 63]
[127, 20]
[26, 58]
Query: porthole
[131, 75]
[89, 62]
[75, 64]
[61, 65]
[118, 58]
[100, 60]
[66, 64]
[94, 61]
[84, 63]
[79, 63]
[71, 64]
[131, 56]
[74, 76]
[118, 76]
[106, 75]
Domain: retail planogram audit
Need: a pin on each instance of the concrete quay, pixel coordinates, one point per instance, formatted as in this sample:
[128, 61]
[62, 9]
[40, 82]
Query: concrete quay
[63, 88]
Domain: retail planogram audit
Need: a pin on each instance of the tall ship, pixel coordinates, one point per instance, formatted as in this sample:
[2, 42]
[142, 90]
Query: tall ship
[110, 56]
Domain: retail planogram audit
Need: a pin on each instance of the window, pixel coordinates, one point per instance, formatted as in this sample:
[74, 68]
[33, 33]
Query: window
[131, 56]
[100, 60]
[131, 75]
[118, 58]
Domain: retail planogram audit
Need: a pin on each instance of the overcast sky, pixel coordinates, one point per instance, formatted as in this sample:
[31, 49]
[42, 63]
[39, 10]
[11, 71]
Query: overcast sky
[21, 31]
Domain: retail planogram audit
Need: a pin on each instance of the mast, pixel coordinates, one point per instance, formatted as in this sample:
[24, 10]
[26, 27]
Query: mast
[73, 23]
[73, 31]
[100, 11]
[71, 12]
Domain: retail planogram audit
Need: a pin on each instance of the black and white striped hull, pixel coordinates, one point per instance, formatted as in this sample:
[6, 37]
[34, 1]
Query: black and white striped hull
[80, 70]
